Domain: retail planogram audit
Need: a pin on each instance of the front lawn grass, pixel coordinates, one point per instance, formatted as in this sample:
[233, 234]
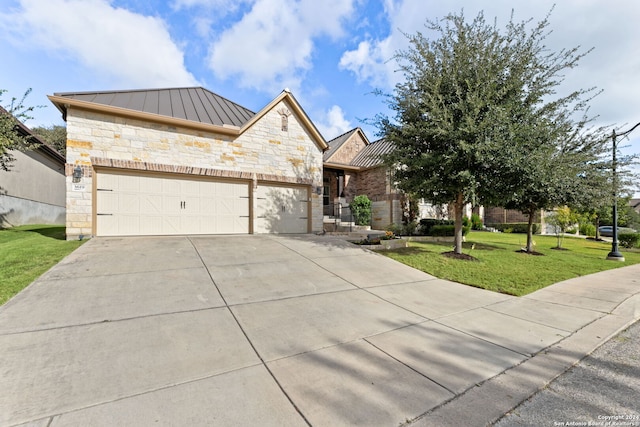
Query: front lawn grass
[501, 268]
[28, 251]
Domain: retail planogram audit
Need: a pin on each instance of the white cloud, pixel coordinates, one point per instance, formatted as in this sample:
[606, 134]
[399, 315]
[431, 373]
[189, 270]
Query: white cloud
[333, 123]
[371, 62]
[127, 48]
[272, 45]
[222, 5]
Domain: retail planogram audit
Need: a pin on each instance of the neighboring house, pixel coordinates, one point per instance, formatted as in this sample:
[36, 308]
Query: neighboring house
[352, 167]
[188, 161]
[33, 190]
[635, 204]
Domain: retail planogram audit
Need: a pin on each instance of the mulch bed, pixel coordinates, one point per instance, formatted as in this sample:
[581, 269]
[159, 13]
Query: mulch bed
[463, 257]
[524, 251]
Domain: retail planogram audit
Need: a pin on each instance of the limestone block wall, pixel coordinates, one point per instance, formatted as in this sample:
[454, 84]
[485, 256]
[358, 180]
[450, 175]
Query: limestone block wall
[288, 156]
[385, 212]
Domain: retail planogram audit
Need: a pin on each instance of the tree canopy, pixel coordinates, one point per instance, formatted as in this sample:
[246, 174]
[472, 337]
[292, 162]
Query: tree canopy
[477, 118]
[10, 137]
[54, 135]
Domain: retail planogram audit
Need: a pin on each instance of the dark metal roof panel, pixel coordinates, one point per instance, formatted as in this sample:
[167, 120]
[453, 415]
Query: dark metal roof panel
[137, 101]
[194, 104]
[198, 107]
[370, 156]
[151, 102]
[177, 107]
[164, 104]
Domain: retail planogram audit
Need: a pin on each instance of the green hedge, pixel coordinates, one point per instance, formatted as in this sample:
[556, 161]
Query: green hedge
[515, 227]
[629, 240]
[446, 230]
[426, 224]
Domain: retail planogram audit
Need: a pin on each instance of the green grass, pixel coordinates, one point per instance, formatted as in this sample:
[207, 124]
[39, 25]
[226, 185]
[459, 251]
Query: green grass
[501, 268]
[28, 251]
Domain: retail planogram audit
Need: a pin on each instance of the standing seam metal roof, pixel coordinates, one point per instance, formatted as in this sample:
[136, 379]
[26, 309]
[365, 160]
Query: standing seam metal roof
[370, 156]
[195, 104]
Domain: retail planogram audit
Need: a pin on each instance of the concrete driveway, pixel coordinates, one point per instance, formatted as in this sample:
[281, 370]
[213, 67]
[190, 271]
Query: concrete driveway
[271, 330]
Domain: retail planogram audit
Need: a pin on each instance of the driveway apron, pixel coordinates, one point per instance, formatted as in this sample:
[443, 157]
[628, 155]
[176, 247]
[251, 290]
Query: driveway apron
[267, 330]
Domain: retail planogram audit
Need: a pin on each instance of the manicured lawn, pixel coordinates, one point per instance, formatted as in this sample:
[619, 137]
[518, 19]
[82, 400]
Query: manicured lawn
[501, 268]
[28, 251]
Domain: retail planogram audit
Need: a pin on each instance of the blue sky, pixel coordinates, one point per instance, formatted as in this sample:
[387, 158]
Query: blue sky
[330, 53]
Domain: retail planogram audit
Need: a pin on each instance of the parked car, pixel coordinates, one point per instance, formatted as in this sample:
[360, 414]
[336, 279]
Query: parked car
[607, 230]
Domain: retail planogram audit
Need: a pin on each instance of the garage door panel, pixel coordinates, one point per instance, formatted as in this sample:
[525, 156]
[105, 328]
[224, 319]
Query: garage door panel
[150, 224]
[151, 204]
[154, 205]
[107, 224]
[129, 203]
[281, 210]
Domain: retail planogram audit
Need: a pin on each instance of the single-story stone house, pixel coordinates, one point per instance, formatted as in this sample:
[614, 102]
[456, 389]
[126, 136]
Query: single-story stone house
[188, 161]
[33, 190]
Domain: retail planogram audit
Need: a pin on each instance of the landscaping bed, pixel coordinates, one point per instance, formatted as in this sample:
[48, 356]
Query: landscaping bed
[501, 266]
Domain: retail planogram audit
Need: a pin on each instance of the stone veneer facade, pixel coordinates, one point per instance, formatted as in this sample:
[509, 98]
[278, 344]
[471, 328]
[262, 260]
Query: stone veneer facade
[263, 152]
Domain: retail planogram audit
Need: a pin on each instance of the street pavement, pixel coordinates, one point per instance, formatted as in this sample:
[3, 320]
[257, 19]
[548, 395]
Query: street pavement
[603, 389]
[285, 330]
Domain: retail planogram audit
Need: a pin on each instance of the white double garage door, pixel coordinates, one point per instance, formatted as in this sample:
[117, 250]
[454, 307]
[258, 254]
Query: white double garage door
[130, 204]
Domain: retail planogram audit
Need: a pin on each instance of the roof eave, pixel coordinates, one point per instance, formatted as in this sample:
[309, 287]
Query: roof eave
[63, 103]
[342, 166]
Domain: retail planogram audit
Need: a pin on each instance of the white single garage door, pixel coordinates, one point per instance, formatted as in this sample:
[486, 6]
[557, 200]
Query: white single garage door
[281, 209]
[130, 205]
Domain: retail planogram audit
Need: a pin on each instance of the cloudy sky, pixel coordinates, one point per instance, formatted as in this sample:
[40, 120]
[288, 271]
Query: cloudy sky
[331, 53]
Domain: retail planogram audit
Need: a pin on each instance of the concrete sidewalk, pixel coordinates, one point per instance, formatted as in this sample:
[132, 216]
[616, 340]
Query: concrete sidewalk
[268, 330]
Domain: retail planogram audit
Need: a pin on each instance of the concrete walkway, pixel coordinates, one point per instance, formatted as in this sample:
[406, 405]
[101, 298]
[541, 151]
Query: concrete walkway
[268, 330]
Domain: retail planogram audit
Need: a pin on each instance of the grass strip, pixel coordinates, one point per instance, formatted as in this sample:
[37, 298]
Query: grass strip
[26, 252]
[502, 268]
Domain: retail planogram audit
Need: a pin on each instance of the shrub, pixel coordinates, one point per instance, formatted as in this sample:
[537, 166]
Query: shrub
[388, 235]
[424, 228]
[361, 210]
[629, 240]
[446, 230]
[394, 228]
[476, 222]
[516, 227]
[588, 230]
[409, 229]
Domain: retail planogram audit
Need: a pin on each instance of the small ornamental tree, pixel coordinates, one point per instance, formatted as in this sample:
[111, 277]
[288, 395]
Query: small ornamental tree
[561, 220]
[361, 210]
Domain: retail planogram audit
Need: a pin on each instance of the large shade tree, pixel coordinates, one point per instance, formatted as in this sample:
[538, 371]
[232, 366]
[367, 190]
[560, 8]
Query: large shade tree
[473, 97]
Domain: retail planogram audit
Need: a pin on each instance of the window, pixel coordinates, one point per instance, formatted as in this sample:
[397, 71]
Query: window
[325, 194]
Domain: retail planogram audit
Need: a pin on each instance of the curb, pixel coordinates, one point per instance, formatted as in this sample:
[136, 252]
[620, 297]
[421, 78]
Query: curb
[486, 403]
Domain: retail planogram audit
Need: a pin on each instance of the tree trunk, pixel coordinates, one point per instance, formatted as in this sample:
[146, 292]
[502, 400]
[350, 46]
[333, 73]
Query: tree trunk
[597, 227]
[458, 206]
[530, 232]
